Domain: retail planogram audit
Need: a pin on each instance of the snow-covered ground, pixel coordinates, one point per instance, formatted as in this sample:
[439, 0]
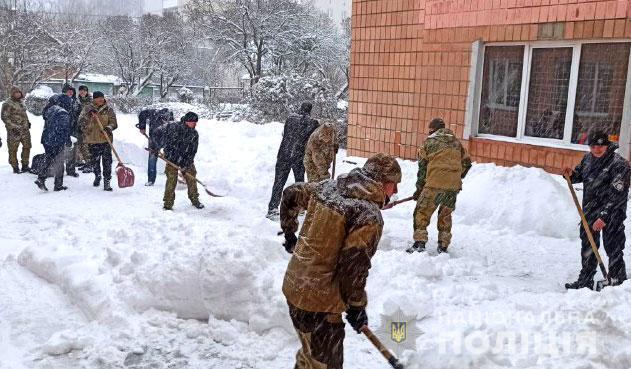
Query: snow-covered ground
[90, 279]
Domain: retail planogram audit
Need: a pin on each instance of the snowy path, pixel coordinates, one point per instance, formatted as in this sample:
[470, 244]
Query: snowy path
[112, 281]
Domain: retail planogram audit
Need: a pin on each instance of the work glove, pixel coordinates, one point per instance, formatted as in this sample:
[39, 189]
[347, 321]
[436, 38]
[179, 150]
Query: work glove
[290, 242]
[357, 318]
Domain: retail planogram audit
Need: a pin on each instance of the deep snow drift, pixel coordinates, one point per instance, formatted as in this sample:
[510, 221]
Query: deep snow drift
[109, 280]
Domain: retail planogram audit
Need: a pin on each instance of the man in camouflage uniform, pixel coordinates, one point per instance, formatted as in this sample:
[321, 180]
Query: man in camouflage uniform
[327, 273]
[443, 163]
[83, 154]
[321, 149]
[18, 129]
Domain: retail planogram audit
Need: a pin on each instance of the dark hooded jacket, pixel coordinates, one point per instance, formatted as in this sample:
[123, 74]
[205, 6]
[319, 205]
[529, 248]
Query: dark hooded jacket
[71, 105]
[605, 185]
[179, 143]
[298, 129]
[153, 119]
[57, 127]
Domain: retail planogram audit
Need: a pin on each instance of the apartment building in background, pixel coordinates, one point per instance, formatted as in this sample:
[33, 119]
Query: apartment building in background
[519, 81]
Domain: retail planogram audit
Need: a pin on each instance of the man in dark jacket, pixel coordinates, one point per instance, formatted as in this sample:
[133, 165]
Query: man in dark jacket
[179, 141]
[605, 176]
[74, 110]
[55, 137]
[298, 129]
[153, 119]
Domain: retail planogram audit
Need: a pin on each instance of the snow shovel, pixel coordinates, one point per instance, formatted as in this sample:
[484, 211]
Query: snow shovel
[392, 360]
[124, 174]
[607, 281]
[209, 192]
[399, 202]
[180, 177]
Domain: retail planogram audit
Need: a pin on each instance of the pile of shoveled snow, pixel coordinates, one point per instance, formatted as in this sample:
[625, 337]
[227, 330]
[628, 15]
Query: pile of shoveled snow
[140, 287]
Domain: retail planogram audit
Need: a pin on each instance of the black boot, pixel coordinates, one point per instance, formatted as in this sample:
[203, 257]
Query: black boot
[60, 188]
[580, 284]
[106, 185]
[16, 170]
[41, 183]
[26, 168]
[441, 249]
[97, 181]
[198, 205]
[419, 246]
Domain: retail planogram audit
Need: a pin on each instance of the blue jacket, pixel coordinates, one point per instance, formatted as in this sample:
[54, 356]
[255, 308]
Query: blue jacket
[71, 105]
[57, 127]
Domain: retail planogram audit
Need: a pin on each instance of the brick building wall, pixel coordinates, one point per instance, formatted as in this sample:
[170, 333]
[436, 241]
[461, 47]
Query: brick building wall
[411, 61]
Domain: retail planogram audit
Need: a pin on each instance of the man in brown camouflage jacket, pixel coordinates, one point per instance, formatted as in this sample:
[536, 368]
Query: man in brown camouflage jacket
[18, 130]
[328, 270]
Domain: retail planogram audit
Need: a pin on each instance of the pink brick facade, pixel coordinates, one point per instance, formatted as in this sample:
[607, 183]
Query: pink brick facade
[412, 60]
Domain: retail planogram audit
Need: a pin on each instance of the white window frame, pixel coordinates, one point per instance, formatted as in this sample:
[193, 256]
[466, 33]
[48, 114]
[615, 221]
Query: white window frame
[475, 96]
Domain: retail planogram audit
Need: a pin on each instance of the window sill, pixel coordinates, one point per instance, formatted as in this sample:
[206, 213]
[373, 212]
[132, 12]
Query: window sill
[555, 144]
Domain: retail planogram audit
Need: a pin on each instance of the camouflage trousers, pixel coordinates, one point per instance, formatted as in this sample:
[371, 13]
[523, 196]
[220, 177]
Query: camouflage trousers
[430, 200]
[315, 174]
[322, 339]
[14, 139]
[169, 190]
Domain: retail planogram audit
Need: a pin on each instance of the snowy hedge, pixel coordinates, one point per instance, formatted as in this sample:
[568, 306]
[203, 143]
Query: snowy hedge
[37, 99]
[275, 97]
[129, 104]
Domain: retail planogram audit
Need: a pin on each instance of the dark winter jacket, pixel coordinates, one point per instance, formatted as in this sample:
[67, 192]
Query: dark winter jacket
[179, 143]
[71, 105]
[298, 129]
[605, 185]
[154, 119]
[57, 127]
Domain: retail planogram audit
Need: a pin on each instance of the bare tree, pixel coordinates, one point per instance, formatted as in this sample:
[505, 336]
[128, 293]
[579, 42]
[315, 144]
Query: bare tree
[133, 63]
[246, 29]
[28, 50]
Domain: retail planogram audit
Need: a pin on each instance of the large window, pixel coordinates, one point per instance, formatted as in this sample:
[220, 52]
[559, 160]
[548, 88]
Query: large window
[569, 90]
[501, 90]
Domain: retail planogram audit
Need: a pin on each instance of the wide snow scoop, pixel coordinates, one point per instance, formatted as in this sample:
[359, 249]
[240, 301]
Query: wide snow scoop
[124, 175]
[392, 360]
[209, 192]
[399, 202]
[607, 281]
